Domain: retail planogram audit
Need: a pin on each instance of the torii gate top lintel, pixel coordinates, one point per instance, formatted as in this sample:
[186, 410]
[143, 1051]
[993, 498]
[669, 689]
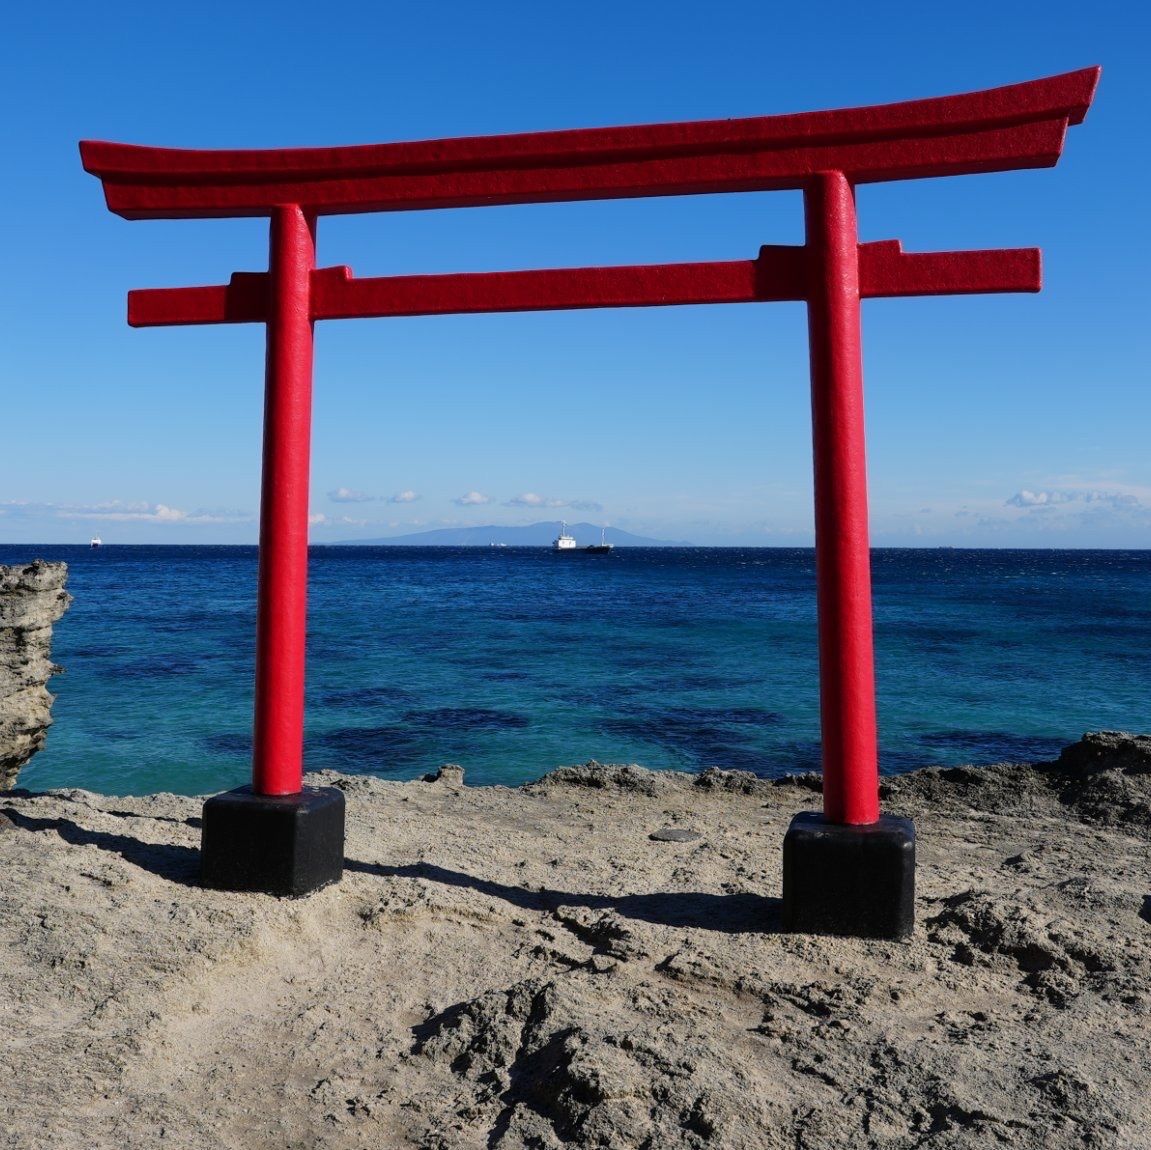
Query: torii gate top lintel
[1017, 126]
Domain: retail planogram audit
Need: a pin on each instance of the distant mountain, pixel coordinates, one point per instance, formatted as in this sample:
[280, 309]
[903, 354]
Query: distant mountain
[537, 535]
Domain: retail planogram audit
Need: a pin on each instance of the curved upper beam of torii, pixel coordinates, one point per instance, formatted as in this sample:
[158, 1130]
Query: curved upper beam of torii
[1020, 125]
[1017, 126]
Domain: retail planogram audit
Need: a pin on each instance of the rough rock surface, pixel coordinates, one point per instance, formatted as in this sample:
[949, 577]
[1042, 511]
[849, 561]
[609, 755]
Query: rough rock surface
[32, 598]
[530, 969]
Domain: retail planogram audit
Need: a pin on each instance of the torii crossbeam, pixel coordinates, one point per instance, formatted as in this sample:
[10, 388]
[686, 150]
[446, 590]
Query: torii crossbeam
[824, 154]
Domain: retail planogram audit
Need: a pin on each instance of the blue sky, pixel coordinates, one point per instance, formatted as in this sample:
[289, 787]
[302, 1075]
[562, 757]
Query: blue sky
[992, 421]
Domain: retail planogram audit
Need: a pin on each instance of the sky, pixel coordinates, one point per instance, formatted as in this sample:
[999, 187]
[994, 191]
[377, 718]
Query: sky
[992, 421]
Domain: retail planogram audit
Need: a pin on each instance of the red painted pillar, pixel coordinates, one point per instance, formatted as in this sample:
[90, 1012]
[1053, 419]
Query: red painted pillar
[281, 628]
[843, 560]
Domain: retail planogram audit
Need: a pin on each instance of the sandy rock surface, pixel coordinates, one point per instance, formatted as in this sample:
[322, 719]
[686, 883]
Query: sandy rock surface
[532, 968]
[32, 598]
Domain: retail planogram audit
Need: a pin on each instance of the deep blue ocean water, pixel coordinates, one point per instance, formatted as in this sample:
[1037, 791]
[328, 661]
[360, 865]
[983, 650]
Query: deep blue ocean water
[512, 661]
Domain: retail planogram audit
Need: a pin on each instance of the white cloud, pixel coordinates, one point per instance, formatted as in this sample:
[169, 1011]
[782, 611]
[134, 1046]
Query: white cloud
[117, 511]
[531, 499]
[405, 497]
[1072, 509]
[1056, 497]
[472, 499]
[1037, 498]
[318, 519]
[347, 495]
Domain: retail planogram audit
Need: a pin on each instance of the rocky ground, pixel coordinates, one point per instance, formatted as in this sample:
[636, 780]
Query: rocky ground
[552, 966]
[32, 598]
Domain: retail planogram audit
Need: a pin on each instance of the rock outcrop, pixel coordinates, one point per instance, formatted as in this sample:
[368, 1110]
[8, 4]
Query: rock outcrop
[32, 598]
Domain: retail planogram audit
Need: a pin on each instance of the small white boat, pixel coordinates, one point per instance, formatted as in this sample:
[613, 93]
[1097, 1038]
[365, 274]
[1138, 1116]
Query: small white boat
[565, 542]
[96, 541]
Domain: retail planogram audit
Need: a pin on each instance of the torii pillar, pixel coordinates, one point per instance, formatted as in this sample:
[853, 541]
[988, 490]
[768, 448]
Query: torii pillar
[848, 870]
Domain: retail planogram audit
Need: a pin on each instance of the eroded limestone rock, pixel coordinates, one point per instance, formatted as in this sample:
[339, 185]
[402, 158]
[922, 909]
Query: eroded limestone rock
[32, 598]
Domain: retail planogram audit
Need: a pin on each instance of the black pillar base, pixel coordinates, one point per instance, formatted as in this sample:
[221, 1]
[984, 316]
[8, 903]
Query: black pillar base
[277, 844]
[849, 880]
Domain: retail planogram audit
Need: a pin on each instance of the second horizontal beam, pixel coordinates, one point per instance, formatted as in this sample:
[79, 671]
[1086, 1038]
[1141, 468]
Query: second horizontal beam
[778, 273]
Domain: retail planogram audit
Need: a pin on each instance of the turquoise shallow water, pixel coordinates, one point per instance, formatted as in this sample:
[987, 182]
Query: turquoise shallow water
[514, 661]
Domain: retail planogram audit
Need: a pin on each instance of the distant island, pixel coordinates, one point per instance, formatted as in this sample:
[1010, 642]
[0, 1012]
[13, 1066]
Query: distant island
[535, 535]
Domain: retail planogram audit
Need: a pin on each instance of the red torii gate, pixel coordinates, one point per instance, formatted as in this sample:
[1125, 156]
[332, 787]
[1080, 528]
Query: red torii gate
[824, 154]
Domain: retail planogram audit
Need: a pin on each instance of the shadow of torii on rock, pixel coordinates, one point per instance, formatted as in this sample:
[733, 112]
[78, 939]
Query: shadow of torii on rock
[178, 864]
[728, 913]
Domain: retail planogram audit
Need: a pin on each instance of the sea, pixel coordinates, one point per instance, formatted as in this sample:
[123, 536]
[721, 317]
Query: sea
[512, 661]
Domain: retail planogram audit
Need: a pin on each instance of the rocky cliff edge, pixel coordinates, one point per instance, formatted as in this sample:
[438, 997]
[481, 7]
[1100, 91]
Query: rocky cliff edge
[32, 599]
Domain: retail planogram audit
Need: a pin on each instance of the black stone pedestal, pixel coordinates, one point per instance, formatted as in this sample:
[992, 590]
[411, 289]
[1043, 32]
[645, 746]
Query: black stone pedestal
[849, 880]
[277, 844]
